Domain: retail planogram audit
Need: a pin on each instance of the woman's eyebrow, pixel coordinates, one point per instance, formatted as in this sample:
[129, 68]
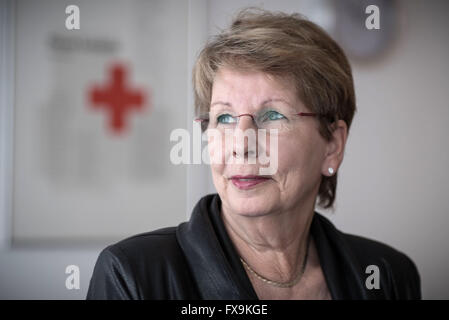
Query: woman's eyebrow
[220, 102]
[262, 104]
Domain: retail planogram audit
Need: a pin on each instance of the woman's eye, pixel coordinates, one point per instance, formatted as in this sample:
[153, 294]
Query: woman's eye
[272, 115]
[225, 118]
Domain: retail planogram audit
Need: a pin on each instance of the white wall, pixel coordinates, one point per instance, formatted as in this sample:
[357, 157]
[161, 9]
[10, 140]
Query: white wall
[393, 184]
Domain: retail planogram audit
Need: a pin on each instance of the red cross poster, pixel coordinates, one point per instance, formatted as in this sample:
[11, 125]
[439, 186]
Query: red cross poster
[93, 112]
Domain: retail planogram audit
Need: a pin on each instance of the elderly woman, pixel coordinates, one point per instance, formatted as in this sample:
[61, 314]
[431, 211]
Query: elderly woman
[260, 236]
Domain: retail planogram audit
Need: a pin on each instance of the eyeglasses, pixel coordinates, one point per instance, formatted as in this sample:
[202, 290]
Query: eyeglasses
[268, 120]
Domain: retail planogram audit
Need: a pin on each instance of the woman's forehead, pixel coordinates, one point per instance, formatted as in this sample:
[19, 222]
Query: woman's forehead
[231, 88]
[256, 79]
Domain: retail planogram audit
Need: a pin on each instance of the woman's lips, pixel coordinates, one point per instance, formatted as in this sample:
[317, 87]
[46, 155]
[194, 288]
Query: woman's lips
[247, 182]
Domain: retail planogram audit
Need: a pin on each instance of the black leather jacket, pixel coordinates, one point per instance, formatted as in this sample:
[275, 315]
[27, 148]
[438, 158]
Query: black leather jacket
[197, 260]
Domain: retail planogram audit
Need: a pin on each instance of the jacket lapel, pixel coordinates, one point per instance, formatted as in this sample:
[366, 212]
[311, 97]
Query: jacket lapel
[213, 273]
[219, 277]
[341, 268]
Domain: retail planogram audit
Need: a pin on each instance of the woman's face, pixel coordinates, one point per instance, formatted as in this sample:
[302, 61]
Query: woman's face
[301, 154]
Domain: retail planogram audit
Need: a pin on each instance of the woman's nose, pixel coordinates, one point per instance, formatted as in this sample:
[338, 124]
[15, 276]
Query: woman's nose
[245, 138]
[246, 121]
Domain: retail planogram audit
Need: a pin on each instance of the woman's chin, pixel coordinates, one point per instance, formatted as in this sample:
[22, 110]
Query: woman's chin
[251, 206]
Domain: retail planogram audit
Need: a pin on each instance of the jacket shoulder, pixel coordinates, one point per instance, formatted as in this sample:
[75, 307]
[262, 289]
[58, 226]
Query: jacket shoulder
[154, 245]
[136, 267]
[370, 249]
[400, 272]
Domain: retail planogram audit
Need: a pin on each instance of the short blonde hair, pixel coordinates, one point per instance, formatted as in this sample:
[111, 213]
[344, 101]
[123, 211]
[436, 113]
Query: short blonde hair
[285, 46]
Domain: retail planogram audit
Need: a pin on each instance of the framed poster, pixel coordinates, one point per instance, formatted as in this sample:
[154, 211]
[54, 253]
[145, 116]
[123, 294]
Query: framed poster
[93, 108]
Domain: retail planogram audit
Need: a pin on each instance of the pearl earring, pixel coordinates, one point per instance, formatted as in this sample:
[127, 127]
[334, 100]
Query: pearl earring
[331, 170]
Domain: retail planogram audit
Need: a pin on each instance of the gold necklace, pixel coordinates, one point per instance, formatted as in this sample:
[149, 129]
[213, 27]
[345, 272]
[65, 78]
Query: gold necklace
[282, 284]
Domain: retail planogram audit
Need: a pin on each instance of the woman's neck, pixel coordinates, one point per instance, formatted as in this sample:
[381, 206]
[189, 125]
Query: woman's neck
[273, 245]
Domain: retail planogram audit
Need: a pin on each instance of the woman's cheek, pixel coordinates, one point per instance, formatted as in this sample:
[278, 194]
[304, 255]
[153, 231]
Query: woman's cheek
[288, 155]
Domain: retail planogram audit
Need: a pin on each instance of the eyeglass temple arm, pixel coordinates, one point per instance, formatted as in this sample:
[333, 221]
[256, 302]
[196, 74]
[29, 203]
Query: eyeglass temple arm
[312, 114]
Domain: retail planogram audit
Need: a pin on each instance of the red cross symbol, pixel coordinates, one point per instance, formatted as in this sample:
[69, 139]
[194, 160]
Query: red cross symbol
[116, 98]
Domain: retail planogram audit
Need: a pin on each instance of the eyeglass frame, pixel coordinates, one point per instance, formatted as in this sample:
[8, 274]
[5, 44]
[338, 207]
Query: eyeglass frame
[303, 114]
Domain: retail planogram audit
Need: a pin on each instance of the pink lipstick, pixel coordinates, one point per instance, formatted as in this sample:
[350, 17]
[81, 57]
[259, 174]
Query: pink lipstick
[248, 182]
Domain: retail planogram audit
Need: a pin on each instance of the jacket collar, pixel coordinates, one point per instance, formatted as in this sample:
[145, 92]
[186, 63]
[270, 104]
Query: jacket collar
[217, 270]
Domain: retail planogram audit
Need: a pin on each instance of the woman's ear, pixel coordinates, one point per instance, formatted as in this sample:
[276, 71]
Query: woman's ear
[335, 148]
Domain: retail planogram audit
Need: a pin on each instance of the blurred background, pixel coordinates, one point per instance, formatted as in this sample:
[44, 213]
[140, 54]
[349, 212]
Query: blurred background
[86, 116]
